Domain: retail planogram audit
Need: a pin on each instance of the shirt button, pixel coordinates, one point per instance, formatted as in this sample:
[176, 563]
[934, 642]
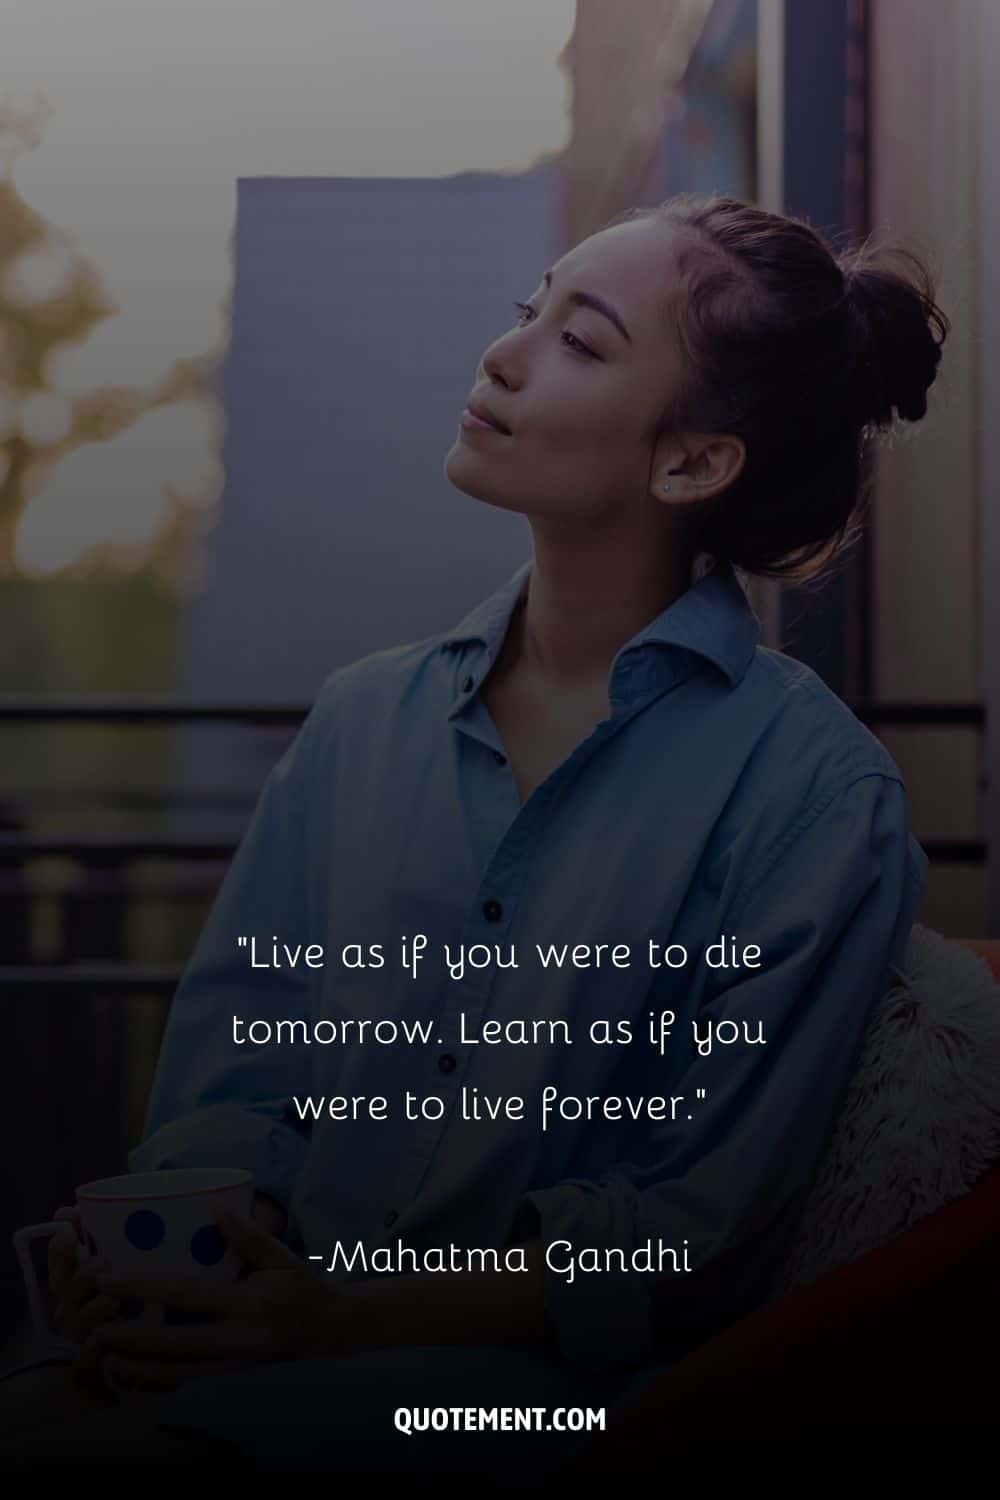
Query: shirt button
[492, 911]
[391, 1218]
[501, 760]
[446, 1063]
[467, 684]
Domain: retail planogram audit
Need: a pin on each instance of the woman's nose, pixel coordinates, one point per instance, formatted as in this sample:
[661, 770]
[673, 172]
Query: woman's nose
[499, 365]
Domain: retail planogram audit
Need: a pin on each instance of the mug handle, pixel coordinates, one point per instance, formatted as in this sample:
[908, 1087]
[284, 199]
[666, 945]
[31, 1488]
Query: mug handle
[23, 1240]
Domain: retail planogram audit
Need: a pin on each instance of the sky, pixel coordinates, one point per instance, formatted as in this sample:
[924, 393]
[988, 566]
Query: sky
[157, 108]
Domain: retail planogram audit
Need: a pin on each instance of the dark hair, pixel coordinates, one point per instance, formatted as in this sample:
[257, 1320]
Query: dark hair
[804, 354]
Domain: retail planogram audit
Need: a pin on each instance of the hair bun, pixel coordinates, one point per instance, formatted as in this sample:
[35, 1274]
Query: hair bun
[900, 330]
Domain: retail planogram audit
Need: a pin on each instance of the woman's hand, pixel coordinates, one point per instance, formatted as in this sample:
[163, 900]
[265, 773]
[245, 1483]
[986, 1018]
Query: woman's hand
[78, 1305]
[280, 1311]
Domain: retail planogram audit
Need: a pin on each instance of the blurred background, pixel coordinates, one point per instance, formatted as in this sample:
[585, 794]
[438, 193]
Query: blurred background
[249, 256]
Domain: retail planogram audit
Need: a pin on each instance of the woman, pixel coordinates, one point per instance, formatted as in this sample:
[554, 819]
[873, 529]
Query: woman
[600, 754]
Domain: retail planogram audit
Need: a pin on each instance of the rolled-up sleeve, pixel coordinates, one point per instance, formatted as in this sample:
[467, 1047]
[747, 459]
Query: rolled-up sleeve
[215, 1102]
[830, 903]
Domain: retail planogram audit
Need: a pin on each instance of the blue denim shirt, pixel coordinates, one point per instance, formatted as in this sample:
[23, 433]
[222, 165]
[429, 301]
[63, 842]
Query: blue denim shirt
[729, 793]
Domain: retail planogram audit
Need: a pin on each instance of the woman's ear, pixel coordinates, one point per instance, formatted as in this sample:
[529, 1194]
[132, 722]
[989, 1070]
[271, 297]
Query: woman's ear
[696, 466]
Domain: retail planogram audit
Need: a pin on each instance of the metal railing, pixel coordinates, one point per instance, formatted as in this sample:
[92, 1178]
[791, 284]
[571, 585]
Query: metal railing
[110, 855]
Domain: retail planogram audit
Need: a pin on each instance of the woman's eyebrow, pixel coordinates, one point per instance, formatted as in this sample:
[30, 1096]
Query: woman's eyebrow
[587, 299]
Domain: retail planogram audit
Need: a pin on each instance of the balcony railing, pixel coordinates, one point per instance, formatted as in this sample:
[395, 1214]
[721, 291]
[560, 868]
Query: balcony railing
[104, 859]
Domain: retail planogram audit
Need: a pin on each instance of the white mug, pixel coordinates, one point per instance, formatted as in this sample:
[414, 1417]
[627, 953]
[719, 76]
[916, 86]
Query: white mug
[146, 1223]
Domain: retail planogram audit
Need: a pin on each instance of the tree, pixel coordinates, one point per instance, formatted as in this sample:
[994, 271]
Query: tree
[52, 296]
[32, 328]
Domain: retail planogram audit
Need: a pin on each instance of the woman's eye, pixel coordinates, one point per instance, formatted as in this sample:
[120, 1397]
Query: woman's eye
[577, 345]
[570, 339]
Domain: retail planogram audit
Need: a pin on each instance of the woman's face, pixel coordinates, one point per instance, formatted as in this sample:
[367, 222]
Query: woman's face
[579, 383]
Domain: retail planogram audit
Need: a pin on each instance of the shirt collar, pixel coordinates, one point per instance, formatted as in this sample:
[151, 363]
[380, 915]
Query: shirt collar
[712, 619]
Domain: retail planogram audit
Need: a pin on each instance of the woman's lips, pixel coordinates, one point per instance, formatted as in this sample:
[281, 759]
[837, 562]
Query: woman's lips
[469, 419]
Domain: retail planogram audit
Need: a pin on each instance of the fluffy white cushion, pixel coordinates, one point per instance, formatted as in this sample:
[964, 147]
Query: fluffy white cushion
[921, 1119]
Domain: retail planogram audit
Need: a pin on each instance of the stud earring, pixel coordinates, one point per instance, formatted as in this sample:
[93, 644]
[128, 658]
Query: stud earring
[666, 488]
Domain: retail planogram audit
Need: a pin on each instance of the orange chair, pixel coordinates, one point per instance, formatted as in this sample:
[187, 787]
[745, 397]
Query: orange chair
[988, 948]
[906, 1338]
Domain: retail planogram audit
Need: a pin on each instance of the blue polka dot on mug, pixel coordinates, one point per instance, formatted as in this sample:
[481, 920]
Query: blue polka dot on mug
[207, 1245]
[145, 1229]
[165, 1223]
[161, 1224]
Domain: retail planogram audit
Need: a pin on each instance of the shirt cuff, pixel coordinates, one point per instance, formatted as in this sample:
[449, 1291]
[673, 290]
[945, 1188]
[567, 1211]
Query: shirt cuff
[601, 1318]
[223, 1135]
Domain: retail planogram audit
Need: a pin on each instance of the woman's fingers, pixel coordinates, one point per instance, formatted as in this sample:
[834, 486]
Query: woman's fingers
[62, 1255]
[134, 1375]
[112, 1373]
[269, 1215]
[168, 1349]
[260, 1250]
[73, 1293]
[92, 1314]
[175, 1291]
[136, 1341]
[80, 1287]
